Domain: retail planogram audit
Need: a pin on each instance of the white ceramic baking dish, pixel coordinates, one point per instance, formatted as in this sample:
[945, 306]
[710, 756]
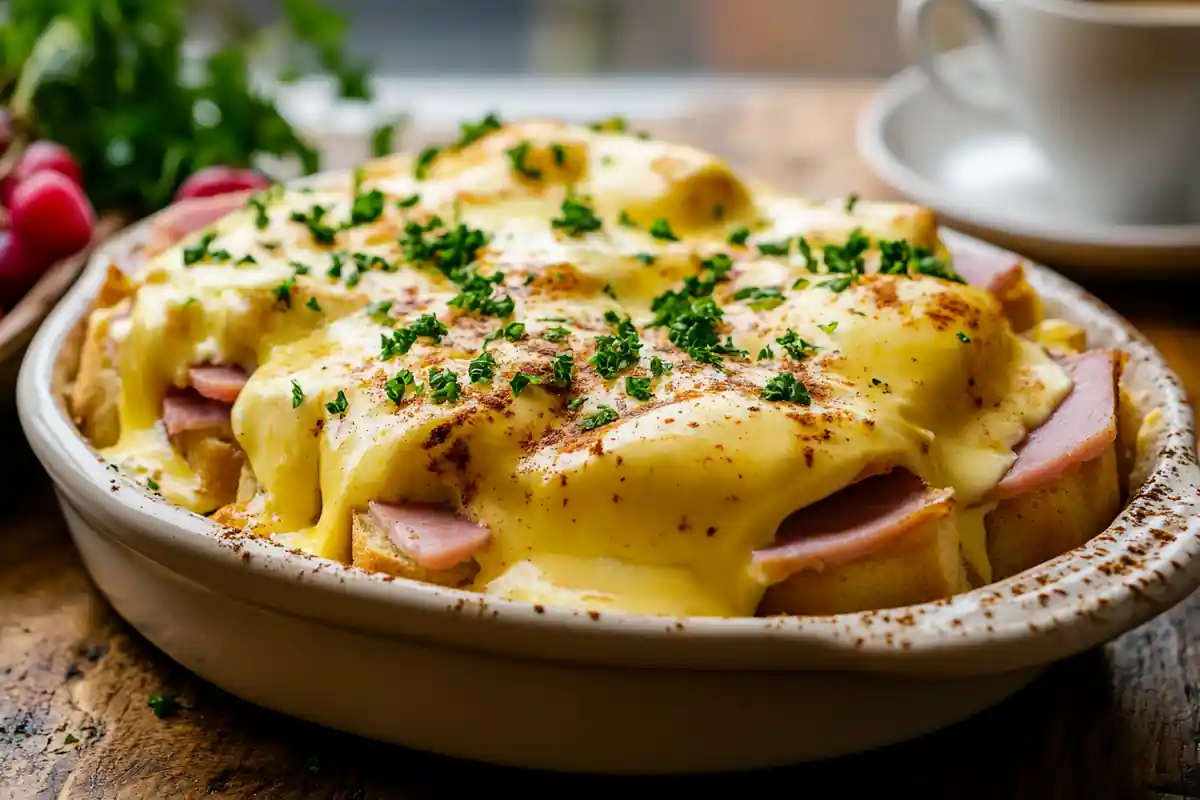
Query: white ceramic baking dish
[455, 673]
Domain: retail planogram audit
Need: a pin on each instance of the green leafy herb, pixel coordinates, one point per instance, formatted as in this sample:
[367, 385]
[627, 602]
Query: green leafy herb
[739, 236]
[198, 251]
[576, 402]
[962, 337]
[837, 285]
[638, 388]
[847, 258]
[926, 263]
[626, 220]
[258, 202]
[152, 484]
[658, 367]
[297, 395]
[408, 202]
[380, 313]
[424, 161]
[645, 258]
[828, 327]
[247, 259]
[559, 153]
[785, 387]
[189, 302]
[851, 202]
[796, 347]
[661, 229]
[313, 305]
[610, 125]
[471, 132]
[760, 296]
[476, 296]
[603, 416]
[894, 257]
[562, 369]
[367, 207]
[577, 218]
[513, 331]
[780, 248]
[314, 219]
[339, 404]
[805, 251]
[616, 352]
[482, 368]
[443, 386]
[766, 353]
[396, 385]
[383, 140]
[283, 293]
[555, 334]
[800, 283]
[70, 738]
[522, 380]
[517, 155]
[298, 268]
[163, 705]
[426, 326]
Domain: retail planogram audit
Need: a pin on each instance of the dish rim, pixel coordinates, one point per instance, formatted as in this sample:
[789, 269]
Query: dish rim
[1147, 560]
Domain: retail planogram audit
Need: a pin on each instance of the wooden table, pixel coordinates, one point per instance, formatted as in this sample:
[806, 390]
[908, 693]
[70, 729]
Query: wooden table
[1118, 722]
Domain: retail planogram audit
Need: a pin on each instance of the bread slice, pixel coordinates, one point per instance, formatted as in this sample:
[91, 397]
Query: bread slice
[373, 551]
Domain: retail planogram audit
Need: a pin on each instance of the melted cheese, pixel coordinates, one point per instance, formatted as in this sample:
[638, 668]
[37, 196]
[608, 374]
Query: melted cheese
[656, 512]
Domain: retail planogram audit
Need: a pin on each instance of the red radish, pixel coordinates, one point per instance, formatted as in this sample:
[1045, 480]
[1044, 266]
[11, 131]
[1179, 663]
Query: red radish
[212, 181]
[20, 267]
[43, 156]
[51, 214]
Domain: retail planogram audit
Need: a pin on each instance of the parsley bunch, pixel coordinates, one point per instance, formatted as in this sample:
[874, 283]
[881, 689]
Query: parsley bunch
[106, 78]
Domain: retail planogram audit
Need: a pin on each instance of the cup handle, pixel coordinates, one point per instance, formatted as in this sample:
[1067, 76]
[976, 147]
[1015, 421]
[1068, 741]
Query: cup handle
[962, 83]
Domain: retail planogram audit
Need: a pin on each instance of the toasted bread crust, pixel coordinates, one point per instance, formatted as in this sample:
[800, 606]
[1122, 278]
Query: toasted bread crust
[374, 552]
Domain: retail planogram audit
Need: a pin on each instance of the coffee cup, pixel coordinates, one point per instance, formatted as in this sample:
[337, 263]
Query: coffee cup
[1108, 91]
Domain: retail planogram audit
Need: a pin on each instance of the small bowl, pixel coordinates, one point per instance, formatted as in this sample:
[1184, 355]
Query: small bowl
[460, 674]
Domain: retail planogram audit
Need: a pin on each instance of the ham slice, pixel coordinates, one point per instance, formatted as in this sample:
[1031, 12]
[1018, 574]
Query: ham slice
[433, 536]
[218, 382]
[188, 411]
[995, 273]
[188, 216]
[1082, 427]
[851, 524]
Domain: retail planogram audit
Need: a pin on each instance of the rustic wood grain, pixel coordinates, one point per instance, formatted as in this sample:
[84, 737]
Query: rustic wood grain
[1119, 722]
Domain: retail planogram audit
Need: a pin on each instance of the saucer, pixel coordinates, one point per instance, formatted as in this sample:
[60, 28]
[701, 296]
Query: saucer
[985, 177]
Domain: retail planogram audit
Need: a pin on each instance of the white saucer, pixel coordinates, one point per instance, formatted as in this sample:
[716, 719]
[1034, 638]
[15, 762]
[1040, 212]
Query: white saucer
[985, 177]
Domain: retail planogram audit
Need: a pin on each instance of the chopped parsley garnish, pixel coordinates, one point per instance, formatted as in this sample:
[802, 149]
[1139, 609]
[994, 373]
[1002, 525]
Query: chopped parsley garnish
[900, 258]
[780, 248]
[609, 290]
[562, 368]
[766, 353]
[694, 330]
[800, 283]
[851, 202]
[894, 257]
[443, 386]
[482, 368]
[555, 334]
[517, 155]
[513, 331]
[247, 259]
[397, 384]
[626, 220]
[645, 258]
[152, 484]
[638, 388]
[367, 207]
[760, 296]
[400, 342]
[847, 258]
[283, 293]
[658, 367]
[408, 202]
[313, 305]
[553, 319]
[451, 251]
[577, 218]
[785, 387]
[603, 416]
[380, 313]
[739, 236]
[616, 352]
[189, 302]
[297, 395]
[796, 347]
[425, 161]
[805, 251]
[929, 264]
[339, 404]
[522, 380]
[661, 229]
[258, 202]
[610, 125]
[298, 268]
[197, 252]
[962, 337]
[476, 296]
[314, 220]
[837, 285]
[70, 738]
[828, 327]
[163, 705]
[559, 153]
[576, 402]
[471, 132]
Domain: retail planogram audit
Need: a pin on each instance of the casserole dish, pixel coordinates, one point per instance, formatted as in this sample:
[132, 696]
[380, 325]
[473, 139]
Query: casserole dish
[507, 682]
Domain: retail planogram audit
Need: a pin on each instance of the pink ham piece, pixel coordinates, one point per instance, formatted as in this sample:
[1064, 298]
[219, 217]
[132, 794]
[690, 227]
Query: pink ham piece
[188, 411]
[433, 536]
[188, 216]
[851, 524]
[218, 382]
[995, 273]
[1080, 429]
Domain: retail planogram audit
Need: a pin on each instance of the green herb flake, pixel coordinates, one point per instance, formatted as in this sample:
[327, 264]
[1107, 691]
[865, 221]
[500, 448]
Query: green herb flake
[785, 387]
[780, 248]
[766, 353]
[847, 258]
[426, 326]
[610, 125]
[659, 368]
[298, 268]
[718, 212]
[246, 259]
[577, 218]
[443, 386]
[262, 220]
[805, 251]
[575, 403]
[314, 219]
[517, 155]
[562, 369]
[198, 251]
[70, 738]
[559, 154]
[851, 202]
[520, 381]
[482, 368]
[739, 236]
[425, 161]
[609, 290]
[163, 705]
[339, 404]
[367, 207]
[626, 220]
[476, 297]
[313, 305]
[645, 258]
[397, 384]
[604, 415]
[152, 484]
[189, 302]
[383, 140]
[837, 285]
[555, 334]
[795, 346]
[828, 327]
[514, 331]
[297, 395]
[661, 229]
[638, 388]
[616, 352]
[471, 132]
[283, 293]
[962, 337]
[408, 202]
[760, 296]
[800, 283]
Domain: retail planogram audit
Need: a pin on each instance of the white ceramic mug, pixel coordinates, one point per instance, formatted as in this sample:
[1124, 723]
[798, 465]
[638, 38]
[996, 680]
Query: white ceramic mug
[1109, 91]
